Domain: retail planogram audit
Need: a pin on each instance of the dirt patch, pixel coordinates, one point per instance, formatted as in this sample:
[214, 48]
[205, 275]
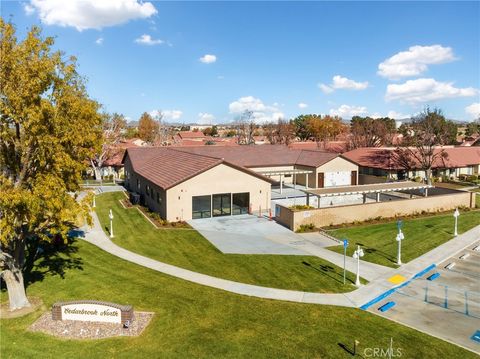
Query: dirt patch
[6, 313]
[70, 329]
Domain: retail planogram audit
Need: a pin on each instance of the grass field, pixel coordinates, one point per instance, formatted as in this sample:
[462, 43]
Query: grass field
[421, 236]
[451, 185]
[192, 321]
[187, 248]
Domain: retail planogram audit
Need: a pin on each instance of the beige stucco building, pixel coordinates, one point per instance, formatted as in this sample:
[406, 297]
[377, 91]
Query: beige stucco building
[201, 182]
[182, 186]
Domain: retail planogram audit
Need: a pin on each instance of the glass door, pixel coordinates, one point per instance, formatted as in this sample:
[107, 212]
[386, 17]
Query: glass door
[241, 202]
[221, 204]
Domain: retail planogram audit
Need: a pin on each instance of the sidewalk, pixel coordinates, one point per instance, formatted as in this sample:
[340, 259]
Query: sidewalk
[97, 237]
[356, 298]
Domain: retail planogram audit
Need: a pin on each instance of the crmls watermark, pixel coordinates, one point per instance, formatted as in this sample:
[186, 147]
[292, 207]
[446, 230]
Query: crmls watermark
[382, 352]
[389, 352]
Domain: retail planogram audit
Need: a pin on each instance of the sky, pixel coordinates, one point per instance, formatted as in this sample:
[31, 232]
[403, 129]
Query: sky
[208, 62]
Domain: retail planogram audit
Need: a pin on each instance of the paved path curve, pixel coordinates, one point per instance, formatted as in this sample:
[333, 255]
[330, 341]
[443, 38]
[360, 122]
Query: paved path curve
[97, 237]
[356, 298]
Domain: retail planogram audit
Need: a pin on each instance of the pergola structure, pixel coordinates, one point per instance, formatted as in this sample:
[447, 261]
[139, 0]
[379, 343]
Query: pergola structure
[377, 189]
[282, 173]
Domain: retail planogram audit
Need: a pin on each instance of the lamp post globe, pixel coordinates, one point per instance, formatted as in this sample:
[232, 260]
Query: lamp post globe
[111, 223]
[357, 255]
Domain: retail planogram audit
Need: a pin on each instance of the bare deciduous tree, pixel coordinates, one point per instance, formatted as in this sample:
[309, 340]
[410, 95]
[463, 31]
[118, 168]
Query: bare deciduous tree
[423, 141]
[113, 126]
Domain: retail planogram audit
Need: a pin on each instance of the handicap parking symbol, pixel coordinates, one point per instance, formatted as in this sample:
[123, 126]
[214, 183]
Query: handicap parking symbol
[476, 336]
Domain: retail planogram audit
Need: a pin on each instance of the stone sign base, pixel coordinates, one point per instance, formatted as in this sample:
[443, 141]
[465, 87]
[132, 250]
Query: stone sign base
[93, 311]
[70, 329]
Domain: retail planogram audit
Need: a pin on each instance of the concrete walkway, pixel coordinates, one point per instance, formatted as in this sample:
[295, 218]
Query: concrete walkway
[97, 237]
[356, 298]
[248, 234]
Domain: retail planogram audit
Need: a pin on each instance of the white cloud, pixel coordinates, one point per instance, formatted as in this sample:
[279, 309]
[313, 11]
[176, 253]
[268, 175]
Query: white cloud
[473, 110]
[147, 40]
[347, 111]
[220, 77]
[208, 59]
[414, 61]
[172, 115]
[342, 83]
[397, 115]
[425, 90]
[167, 115]
[261, 113]
[90, 14]
[99, 41]
[205, 118]
[29, 9]
[302, 105]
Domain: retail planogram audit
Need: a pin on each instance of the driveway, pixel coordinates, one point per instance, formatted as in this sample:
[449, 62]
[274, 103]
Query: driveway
[248, 234]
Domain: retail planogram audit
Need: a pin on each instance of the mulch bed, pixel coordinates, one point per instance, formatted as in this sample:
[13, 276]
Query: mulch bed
[70, 329]
[5, 312]
[126, 203]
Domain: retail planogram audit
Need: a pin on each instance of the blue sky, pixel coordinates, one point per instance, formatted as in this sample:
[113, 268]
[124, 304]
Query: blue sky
[278, 59]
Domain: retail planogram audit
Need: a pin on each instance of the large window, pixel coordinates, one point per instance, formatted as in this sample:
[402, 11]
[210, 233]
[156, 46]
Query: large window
[201, 207]
[221, 204]
[240, 203]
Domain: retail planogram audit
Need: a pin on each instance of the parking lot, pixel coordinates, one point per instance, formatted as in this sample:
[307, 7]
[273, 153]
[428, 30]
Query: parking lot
[447, 307]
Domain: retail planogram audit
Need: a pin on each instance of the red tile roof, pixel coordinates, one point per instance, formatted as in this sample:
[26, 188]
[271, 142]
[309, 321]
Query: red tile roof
[386, 158]
[249, 156]
[314, 158]
[167, 167]
[191, 134]
[117, 151]
[331, 146]
[264, 155]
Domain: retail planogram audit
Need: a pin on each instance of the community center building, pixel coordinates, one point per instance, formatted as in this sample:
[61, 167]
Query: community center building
[185, 183]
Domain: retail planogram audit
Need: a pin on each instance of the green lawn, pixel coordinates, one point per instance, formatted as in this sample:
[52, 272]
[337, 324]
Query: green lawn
[187, 248]
[421, 236]
[452, 185]
[193, 321]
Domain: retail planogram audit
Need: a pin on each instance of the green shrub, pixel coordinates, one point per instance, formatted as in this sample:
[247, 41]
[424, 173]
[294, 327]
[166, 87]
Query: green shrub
[310, 227]
[300, 207]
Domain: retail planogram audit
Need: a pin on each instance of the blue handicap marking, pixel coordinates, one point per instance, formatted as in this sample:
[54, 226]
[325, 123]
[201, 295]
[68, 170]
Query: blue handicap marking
[386, 307]
[476, 336]
[345, 243]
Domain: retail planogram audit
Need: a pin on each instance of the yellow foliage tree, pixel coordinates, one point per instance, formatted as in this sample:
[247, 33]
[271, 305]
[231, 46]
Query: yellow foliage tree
[48, 130]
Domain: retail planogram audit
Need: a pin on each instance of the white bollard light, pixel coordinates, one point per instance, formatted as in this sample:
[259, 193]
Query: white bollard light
[111, 223]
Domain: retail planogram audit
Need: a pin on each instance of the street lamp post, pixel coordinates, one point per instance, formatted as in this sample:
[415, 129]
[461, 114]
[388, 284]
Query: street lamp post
[357, 255]
[111, 223]
[400, 238]
[456, 214]
[345, 245]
